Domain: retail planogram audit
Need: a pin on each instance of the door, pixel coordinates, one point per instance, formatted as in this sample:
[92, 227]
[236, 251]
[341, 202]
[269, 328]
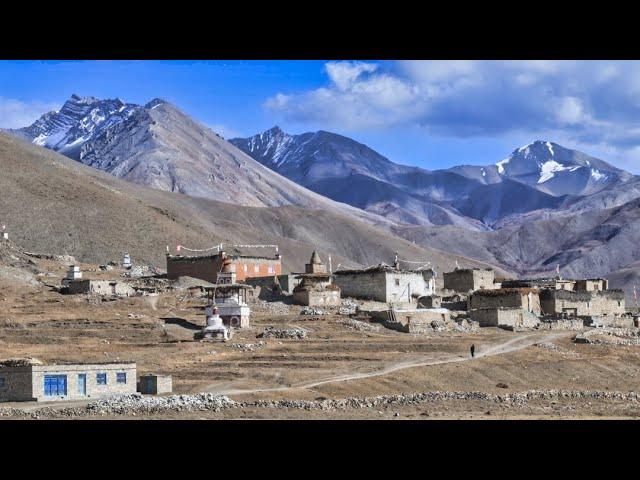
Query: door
[82, 383]
[55, 385]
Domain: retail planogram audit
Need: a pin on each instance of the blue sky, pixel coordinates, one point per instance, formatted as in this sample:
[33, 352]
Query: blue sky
[433, 114]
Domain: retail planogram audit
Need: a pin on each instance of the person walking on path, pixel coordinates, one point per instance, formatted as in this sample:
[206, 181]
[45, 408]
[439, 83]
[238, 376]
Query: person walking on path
[473, 350]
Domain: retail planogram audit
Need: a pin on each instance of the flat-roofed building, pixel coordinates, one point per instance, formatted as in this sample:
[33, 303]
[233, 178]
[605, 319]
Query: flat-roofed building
[27, 381]
[207, 267]
[384, 283]
[464, 280]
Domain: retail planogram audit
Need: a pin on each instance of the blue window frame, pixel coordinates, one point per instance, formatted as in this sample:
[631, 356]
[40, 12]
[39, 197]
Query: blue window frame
[101, 378]
[55, 385]
[1, 382]
[121, 377]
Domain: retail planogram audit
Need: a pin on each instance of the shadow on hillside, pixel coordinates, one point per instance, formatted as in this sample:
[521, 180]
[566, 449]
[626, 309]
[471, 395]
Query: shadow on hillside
[181, 322]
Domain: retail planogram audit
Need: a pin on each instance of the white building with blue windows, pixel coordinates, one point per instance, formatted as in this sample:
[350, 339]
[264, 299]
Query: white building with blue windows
[31, 382]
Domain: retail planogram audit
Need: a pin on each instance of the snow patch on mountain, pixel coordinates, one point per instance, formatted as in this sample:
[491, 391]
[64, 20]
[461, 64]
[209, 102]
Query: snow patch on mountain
[502, 163]
[550, 147]
[550, 168]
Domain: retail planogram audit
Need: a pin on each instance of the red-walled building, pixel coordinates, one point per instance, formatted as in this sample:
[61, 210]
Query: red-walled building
[207, 267]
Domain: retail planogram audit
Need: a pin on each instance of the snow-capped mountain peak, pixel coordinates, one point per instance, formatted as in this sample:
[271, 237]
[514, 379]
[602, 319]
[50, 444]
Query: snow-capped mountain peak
[79, 120]
[556, 169]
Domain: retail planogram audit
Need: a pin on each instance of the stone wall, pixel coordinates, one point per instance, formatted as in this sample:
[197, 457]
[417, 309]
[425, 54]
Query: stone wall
[101, 287]
[504, 317]
[365, 285]
[411, 320]
[317, 298]
[430, 301]
[405, 286]
[155, 384]
[17, 384]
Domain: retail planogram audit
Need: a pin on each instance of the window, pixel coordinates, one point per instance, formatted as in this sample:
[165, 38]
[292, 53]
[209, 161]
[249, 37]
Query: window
[55, 385]
[121, 377]
[256, 268]
[245, 267]
[397, 282]
[272, 270]
[1, 382]
[101, 378]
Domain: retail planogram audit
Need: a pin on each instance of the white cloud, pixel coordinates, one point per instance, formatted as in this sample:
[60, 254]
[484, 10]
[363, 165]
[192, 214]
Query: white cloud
[570, 111]
[16, 113]
[344, 74]
[587, 102]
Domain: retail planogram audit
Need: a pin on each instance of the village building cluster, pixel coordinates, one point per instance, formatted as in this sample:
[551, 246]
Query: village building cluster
[402, 299]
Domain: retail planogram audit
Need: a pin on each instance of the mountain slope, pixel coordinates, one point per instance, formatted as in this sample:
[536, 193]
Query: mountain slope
[588, 244]
[56, 205]
[535, 179]
[329, 164]
[159, 146]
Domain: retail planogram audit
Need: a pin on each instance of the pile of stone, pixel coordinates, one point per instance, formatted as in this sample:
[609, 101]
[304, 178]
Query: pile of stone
[137, 271]
[312, 311]
[359, 326]
[247, 347]
[273, 308]
[461, 325]
[294, 333]
[349, 307]
[610, 336]
[136, 404]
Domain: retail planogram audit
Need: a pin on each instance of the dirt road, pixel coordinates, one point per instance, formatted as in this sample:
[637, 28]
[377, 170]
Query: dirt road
[518, 342]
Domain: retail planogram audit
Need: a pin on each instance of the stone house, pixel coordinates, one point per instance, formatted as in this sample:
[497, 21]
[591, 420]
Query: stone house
[99, 287]
[384, 283]
[464, 280]
[25, 381]
[582, 303]
[506, 307]
[527, 299]
[207, 267]
[315, 288]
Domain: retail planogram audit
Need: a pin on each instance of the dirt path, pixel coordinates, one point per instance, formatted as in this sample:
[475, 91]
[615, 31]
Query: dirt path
[519, 342]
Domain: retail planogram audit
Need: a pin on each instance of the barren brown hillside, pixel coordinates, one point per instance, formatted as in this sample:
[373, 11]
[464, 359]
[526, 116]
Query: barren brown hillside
[56, 205]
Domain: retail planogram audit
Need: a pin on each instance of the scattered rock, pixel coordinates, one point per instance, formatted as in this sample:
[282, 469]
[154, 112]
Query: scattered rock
[292, 333]
[358, 325]
[247, 347]
[312, 311]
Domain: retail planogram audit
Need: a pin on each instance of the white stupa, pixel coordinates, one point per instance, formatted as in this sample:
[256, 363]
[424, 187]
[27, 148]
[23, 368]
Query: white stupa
[214, 329]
